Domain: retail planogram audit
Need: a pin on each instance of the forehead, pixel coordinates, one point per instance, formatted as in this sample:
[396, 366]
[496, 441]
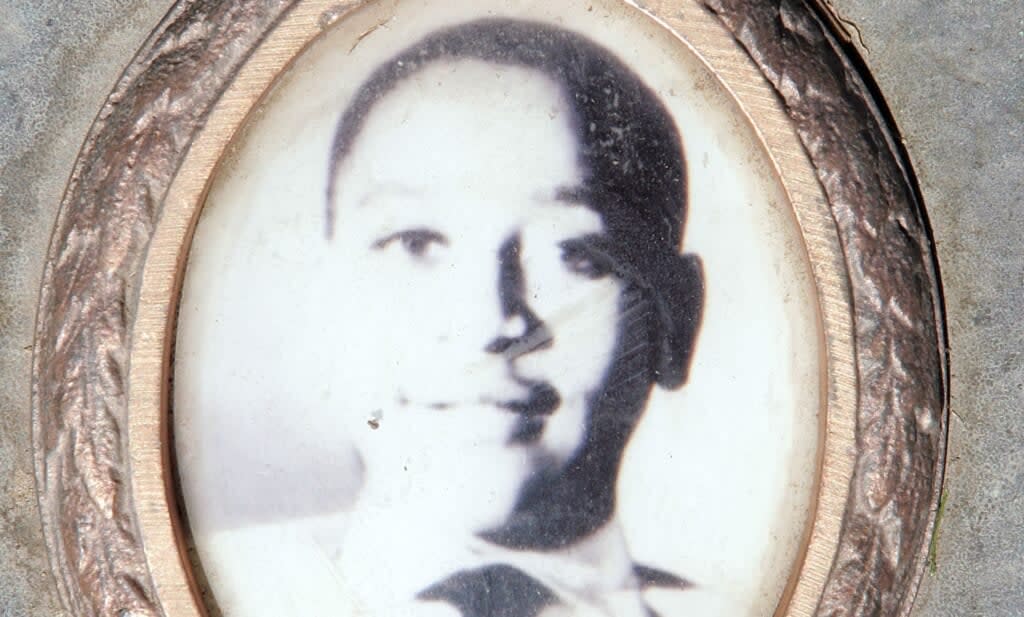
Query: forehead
[466, 126]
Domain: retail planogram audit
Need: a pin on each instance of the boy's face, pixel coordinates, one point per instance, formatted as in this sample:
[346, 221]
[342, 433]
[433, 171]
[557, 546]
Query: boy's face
[475, 316]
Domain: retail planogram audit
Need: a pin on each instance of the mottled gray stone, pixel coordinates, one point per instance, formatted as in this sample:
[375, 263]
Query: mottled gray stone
[952, 73]
[58, 61]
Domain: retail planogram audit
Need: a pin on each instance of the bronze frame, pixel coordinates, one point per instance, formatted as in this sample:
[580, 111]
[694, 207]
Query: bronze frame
[106, 312]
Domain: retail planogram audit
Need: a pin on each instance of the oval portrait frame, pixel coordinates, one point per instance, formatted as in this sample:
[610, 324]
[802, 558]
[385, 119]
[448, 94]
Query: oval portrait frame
[105, 327]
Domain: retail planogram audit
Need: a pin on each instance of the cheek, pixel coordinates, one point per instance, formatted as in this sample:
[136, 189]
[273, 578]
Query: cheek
[414, 329]
[583, 317]
[377, 315]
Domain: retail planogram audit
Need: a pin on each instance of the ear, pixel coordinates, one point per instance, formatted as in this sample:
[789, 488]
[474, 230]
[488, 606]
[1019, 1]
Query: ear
[679, 301]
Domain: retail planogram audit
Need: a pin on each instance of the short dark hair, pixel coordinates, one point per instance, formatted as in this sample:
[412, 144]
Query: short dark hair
[630, 152]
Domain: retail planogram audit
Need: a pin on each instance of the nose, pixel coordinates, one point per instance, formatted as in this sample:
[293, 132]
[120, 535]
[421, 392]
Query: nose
[522, 330]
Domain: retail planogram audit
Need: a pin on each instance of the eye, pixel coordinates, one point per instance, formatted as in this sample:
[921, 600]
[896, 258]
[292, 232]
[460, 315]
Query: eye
[580, 259]
[416, 242]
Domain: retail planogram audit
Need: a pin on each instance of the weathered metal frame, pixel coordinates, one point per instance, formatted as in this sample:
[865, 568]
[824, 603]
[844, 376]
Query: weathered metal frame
[107, 304]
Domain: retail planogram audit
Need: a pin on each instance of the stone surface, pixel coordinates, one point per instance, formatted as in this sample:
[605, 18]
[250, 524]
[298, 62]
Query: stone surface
[58, 62]
[953, 76]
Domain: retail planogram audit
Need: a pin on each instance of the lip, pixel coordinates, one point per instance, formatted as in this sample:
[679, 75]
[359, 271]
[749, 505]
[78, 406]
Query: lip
[542, 399]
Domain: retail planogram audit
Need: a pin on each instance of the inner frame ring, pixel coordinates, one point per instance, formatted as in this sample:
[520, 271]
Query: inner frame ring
[725, 59]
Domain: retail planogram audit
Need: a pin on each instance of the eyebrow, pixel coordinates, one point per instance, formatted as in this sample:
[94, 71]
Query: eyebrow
[567, 195]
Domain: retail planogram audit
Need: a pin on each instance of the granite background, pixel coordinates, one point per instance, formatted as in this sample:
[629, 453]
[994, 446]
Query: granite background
[952, 73]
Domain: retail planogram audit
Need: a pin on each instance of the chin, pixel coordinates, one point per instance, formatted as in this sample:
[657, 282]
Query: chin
[426, 467]
[563, 432]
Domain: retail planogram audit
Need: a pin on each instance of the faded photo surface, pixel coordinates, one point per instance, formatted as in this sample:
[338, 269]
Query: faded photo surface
[497, 311]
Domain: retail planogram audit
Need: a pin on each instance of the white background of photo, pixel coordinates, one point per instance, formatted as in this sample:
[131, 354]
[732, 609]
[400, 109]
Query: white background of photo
[717, 481]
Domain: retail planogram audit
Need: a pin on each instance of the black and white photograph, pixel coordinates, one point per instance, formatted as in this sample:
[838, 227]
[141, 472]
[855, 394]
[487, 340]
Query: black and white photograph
[498, 309]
